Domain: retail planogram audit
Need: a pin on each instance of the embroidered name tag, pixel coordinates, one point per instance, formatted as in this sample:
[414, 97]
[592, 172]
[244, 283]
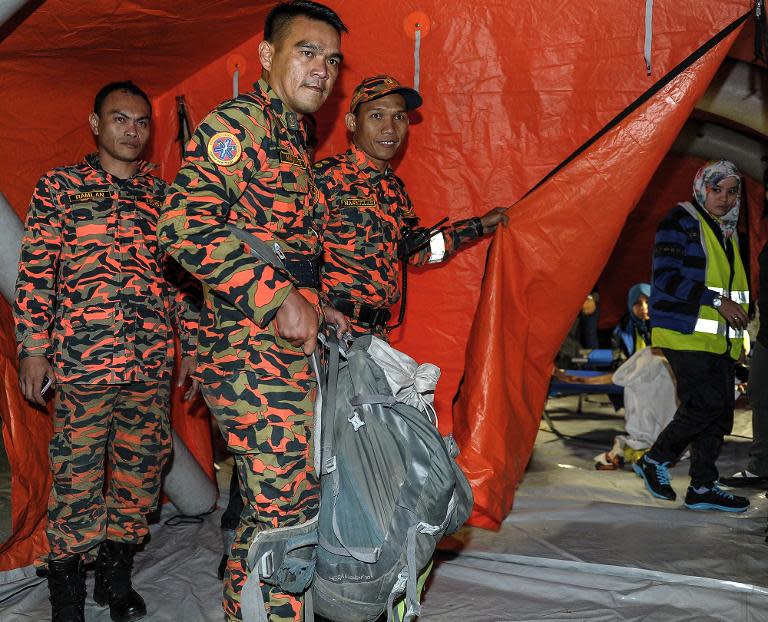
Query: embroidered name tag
[87, 197]
[289, 158]
[371, 202]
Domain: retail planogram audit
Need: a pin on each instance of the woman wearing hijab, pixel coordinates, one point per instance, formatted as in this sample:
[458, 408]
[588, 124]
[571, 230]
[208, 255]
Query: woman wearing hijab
[634, 331]
[699, 298]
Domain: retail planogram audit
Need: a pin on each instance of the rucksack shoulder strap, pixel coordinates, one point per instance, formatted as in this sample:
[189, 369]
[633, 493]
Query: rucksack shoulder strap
[373, 398]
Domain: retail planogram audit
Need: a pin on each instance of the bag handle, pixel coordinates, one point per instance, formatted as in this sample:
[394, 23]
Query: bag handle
[328, 409]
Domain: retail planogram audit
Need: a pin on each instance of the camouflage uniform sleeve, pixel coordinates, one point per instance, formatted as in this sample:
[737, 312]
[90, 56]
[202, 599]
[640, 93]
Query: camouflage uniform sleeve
[454, 237]
[34, 304]
[185, 300]
[321, 213]
[192, 227]
[184, 296]
[321, 216]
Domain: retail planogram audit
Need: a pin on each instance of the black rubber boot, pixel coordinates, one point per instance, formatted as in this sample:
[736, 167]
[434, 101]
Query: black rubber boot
[66, 583]
[222, 567]
[113, 582]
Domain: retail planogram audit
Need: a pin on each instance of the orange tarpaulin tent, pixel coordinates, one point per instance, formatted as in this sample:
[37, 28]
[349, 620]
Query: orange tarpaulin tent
[510, 91]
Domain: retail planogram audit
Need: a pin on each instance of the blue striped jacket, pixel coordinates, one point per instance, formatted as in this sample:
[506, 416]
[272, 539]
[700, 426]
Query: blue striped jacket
[679, 270]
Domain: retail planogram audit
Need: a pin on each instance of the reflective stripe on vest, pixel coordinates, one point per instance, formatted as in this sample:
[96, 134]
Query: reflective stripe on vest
[715, 327]
[740, 297]
[711, 332]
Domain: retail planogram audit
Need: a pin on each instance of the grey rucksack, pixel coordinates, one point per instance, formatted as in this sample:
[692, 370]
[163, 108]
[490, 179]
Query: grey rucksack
[391, 490]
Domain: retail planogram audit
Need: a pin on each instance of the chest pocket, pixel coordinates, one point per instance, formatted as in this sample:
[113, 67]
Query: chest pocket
[294, 181]
[361, 226]
[295, 184]
[294, 206]
[91, 220]
[146, 214]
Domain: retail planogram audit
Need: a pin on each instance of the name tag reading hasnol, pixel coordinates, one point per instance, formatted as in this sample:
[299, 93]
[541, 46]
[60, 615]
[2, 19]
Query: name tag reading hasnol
[86, 197]
[369, 202]
[293, 160]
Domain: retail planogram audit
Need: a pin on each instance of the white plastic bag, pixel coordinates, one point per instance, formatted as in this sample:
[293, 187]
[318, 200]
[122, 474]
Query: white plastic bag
[411, 383]
[650, 399]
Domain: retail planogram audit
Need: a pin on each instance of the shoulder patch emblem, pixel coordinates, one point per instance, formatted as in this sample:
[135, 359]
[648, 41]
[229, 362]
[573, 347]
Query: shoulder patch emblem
[224, 149]
[359, 202]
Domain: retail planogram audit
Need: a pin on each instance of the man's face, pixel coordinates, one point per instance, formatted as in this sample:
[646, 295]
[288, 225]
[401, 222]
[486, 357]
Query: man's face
[379, 127]
[122, 127]
[722, 198]
[303, 63]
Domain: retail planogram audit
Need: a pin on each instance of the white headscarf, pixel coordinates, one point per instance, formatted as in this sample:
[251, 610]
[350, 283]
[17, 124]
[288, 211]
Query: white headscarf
[709, 176]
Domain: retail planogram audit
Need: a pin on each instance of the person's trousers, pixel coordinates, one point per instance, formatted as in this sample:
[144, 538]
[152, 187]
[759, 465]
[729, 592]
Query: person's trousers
[758, 398]
[125, 426]
[231, 516]
[705, 392]
[267, 424]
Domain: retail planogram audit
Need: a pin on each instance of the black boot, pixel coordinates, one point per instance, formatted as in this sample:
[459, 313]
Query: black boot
[113, 582]
[66, 582]
[222, 567]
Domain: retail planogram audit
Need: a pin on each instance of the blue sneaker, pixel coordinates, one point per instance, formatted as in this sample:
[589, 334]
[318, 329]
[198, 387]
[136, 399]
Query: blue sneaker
[714, 499]
[656, 478]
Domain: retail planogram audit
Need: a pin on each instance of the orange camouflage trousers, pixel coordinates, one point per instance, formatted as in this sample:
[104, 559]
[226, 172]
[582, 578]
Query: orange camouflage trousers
[125, 426]
[267, 424]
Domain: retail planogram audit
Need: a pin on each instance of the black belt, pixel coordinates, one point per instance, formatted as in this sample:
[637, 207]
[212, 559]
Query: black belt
[370, 317]
[303, 269]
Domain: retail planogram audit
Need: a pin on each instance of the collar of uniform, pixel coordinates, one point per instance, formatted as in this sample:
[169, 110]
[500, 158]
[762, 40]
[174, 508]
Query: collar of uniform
[144, 168]
[360, 159]
[287, 117]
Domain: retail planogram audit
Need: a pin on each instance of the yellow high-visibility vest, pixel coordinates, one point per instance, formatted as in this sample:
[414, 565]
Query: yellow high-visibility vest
[712, 333]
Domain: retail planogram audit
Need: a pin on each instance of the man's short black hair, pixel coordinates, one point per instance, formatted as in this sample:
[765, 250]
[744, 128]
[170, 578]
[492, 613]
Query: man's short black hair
[125, 85]
[279, 17]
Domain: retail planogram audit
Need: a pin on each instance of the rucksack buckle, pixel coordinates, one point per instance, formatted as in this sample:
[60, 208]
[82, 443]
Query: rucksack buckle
[330, 465]
[356, 422]
[266, 565]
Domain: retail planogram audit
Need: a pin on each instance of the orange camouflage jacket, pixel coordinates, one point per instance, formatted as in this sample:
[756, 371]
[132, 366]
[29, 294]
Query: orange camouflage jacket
[92, 293]
[364, 217]
[247, 167]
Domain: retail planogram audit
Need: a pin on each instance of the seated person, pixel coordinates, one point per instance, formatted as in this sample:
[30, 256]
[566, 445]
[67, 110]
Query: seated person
[582, 335]
[633, 333]
[588, 320]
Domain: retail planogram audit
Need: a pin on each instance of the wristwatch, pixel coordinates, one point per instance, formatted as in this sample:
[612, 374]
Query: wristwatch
[717, 302]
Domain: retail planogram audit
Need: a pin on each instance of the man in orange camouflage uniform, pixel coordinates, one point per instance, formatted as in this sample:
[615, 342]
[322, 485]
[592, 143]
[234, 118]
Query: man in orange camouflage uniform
[247, 174]
[368, 213]
[92, 312]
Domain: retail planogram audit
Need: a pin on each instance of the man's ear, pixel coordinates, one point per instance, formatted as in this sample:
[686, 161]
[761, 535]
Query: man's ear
[350, 120]
[266, 52]
[93, 121]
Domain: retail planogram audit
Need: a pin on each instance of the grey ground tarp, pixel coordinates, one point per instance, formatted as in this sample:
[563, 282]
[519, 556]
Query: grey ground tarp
[581, 544]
